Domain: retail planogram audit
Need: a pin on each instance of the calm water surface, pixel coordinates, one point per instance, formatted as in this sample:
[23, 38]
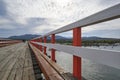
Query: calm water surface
[90, 70]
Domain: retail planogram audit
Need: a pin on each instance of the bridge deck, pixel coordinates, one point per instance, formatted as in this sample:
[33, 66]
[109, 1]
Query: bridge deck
[16, 63]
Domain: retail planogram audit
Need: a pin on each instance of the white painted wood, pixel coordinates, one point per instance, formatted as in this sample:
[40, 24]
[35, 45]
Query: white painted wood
[102, 16]
[106, 57]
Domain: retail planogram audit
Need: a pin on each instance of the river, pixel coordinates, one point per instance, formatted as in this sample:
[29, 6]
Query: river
[90, 70]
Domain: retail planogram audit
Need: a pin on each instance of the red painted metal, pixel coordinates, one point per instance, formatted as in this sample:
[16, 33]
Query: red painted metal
[40, 45]
[77, 41]
[53, 50]
[35, 44]
[37, 40]
[45, 40]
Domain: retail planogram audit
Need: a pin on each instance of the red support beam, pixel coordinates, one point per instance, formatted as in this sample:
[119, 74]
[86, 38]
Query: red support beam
[53, 50]
[45, 40]
[77, 41]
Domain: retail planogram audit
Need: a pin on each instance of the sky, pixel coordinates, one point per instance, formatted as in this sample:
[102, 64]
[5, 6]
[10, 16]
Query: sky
[18, 17]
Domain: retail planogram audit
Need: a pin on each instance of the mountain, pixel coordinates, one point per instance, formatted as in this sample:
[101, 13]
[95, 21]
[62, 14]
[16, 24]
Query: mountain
[58, 38]
[31, 36]
[24, 37]
[97, 38]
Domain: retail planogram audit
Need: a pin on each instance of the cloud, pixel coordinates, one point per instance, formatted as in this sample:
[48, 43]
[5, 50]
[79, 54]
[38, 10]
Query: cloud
[42, 29]
[36, 20]
[3, 21]
[109, 25]
[3, 11]
[108, 2]
[28, 16]
[11, 32]
[104, 33]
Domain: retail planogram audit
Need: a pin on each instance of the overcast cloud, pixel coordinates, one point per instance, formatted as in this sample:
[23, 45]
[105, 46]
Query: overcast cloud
[19, 17]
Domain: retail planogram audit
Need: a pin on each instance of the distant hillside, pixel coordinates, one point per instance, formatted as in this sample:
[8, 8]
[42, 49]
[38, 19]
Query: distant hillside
[31, 36]
[4, 39]
[58, 38]
[96, 38]
[24, 37]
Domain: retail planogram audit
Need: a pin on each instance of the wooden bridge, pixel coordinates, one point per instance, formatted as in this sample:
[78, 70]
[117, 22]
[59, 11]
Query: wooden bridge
[6, 42]
[29, 60]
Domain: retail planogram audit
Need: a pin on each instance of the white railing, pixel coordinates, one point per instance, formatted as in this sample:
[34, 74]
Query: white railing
[102, 16]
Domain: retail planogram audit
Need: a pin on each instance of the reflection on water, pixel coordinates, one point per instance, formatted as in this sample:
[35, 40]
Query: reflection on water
[90, 70]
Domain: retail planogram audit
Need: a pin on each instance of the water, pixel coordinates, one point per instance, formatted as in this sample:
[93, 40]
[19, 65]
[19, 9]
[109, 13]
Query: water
[90, 70]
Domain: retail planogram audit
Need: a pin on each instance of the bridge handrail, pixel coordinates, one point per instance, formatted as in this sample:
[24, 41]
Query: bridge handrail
[102, 16]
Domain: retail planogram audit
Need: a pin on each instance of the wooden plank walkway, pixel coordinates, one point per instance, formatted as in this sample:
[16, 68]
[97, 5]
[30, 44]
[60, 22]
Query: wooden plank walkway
[50, 69]
[16, 63]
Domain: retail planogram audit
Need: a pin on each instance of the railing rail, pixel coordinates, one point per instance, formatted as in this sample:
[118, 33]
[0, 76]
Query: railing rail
[102, 16]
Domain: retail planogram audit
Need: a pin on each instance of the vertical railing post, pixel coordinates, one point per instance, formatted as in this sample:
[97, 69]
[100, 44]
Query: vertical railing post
[35, 44]
[77, 60]
[53, 50]
[45, 40]
[36, 40]
[41, 45]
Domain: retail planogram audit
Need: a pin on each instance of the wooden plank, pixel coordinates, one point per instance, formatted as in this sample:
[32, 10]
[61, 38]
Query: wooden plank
[13, 72]
[30, 65]
[69, 76]
[31, 74]
[12, 63]
[27, 59]
[49, 72]
[13, 66]
[21, 60]
[3, 63]
[7, 72]
[4, 44]
[19, 73]
[52, 63]
[28, 72]
[8, 67]
[25, 74]
[26, 66]
[6, 52]
[66, 75]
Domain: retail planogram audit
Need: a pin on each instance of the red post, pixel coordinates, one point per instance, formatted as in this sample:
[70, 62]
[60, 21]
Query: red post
[41, 45]
[36, 44]
[37, 40]
[53, 50]
[45, 40]
[77, 41]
